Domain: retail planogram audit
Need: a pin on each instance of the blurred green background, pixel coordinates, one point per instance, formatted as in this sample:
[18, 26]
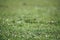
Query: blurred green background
[29, 19]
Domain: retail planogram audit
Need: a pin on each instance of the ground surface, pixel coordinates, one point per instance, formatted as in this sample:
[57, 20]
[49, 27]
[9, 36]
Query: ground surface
[29, 20]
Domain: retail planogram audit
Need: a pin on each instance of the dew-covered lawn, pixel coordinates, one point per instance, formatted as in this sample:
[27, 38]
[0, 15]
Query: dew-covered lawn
[29, 20]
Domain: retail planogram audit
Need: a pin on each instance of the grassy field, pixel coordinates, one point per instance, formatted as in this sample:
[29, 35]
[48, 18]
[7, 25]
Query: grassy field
[29, 19]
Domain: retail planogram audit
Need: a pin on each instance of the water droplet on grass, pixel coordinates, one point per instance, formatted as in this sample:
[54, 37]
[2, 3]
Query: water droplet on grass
[15, 35]
[46, 35]
[7, 19]
[19, 22]
[8, 39]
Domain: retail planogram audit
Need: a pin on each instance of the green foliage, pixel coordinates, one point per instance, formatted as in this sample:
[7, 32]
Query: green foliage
[29, 20]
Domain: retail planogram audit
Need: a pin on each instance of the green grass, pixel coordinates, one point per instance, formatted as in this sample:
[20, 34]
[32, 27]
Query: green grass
[29, 20]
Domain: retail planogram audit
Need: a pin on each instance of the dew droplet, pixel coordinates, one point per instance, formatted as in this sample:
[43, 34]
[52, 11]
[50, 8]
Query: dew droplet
[8, 39]
[46, 35]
